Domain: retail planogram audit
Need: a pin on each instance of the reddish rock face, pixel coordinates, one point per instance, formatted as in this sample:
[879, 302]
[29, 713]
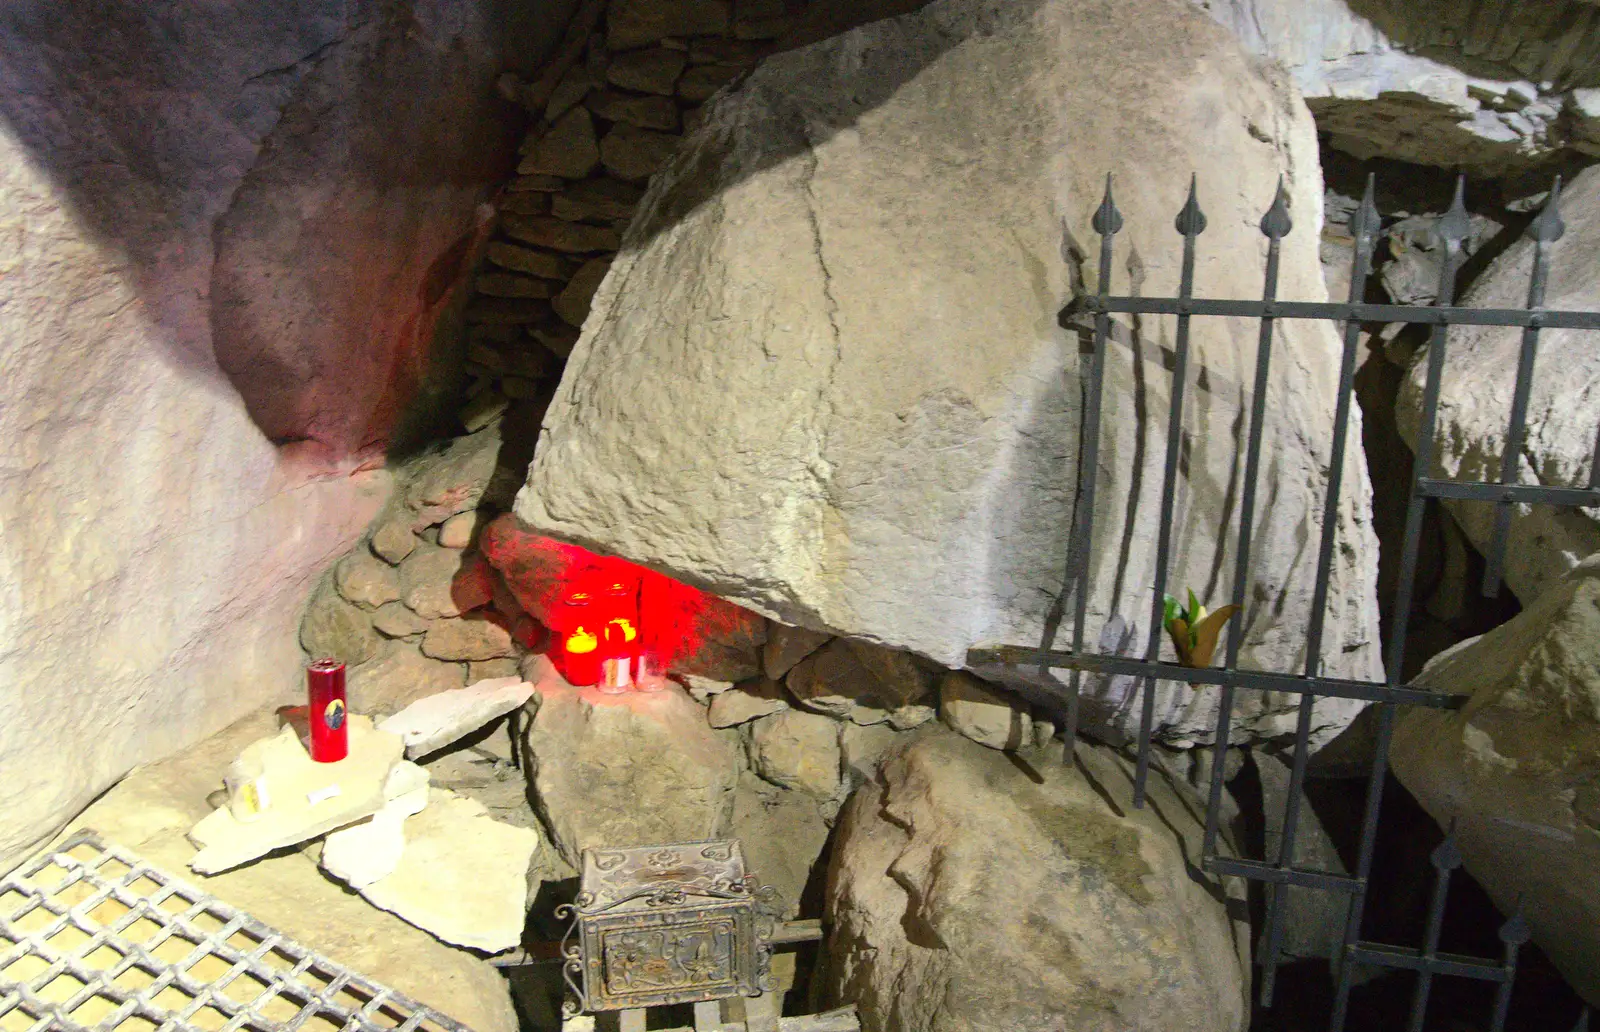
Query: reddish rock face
[579, 594]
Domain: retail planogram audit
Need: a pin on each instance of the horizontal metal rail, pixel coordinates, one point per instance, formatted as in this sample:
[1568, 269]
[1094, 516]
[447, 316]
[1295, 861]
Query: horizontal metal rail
[1438, 964]
[1528, 494]
[1543, 318]
[1254, 680]
[1257, 870]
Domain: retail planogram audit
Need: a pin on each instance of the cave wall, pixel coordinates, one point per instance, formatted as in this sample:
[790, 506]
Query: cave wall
[230, 234]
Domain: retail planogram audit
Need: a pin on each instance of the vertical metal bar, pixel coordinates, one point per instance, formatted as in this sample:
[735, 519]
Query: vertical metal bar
[1275, 225]
[1107, 222]
[1445, 860]
[1545, 230]
[1191, 222]
[1514, 933]
[1453, 230]
[1365, 230]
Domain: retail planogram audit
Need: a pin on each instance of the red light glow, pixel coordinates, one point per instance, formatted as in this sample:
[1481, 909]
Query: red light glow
[602, 609]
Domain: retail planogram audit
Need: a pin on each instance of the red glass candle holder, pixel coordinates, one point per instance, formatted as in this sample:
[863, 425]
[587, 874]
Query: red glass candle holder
[330, 730]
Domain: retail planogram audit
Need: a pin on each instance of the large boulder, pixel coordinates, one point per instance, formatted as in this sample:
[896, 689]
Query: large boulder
[219, 281]
[1518, 769]
[966, 894]
[1563, 408]
[750, 407]
[1481, 85]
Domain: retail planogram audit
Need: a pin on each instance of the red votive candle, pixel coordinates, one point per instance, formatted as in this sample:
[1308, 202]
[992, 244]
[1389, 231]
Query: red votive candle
[329, 731]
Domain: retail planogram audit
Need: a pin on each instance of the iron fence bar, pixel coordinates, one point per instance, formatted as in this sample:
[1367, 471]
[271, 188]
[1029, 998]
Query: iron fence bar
[1406, 959]
[1364, 229]
[1445, 859]
[1257, 870]
[1545, 231]
[1275, 225]
[1452, 230]
[1440, 315]
[1514, 933]
[1253, 680]
[1481, 491]
[1107, 222]
[1191, 222]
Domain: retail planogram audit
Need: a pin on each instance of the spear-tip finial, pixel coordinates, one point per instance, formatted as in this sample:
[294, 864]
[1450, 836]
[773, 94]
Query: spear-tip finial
[1276, 223]
[1447, 857]
[1364, 227]
[1191, 220]
[1548, 227]
[1456, 226]
[1107, 219]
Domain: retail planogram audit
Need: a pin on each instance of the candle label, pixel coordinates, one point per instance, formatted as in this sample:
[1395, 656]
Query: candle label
[333, 715]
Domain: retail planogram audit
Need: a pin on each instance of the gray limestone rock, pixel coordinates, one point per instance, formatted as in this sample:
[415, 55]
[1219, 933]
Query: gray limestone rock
[397, 676]
[526, 259]
[472, 637]
[787, 646]
[366, 580]
[798, 750]
[628, 770]
[572, 304]
[394, 540]
[567, 150]
[644, 112]
[634, 154]
[1564, 406]
[909, 470]
[745, 702]
[637, 23]
[396, 620]
[1518, 768]
[1479, 85]
[648, 71]
[936, 923]
[984, 714]
[333, 628]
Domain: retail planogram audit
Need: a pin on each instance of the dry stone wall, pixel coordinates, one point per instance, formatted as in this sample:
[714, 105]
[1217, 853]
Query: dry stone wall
[607, 113]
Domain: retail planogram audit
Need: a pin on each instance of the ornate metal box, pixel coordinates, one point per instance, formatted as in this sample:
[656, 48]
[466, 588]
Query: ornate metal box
[660, 925]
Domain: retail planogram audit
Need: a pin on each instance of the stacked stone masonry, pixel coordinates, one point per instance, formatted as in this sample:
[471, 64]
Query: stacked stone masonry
[608, 111]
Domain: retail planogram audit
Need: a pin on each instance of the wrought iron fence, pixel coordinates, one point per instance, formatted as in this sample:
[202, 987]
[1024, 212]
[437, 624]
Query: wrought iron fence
[1280, 872]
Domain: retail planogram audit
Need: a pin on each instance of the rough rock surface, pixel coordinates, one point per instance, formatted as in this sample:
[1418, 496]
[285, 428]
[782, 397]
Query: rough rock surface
[894, 483]
[1483, 85]
[989, 717]
[152, 809]
[935, 925]
[398, 676]
[217, 274]
[1518, 769]
[628, 770]
[797, 750]
[1563, 408]
[744, 702]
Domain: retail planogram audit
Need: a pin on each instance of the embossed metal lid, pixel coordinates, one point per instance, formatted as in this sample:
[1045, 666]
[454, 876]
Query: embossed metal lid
[650, 877]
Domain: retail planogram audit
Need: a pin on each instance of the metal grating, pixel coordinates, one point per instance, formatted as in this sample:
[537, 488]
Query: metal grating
[1279, 872]
[93, 937]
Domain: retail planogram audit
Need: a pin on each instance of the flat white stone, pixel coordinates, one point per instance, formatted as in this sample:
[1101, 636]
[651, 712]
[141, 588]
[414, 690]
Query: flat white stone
[370, 849]
[462, 875]
[434, 722]
[308, 799]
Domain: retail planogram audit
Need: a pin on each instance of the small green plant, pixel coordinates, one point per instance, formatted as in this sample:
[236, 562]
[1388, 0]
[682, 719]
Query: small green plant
[1193, 630]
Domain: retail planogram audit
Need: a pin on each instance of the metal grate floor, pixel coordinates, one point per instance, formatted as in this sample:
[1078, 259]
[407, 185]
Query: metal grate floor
[92, 937]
